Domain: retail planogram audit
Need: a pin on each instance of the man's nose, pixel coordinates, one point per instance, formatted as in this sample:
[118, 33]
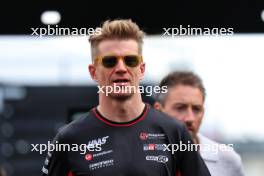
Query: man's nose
[120, 66]
[189, 116]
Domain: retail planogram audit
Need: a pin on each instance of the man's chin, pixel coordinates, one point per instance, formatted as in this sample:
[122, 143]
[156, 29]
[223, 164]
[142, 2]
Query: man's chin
[120, 96]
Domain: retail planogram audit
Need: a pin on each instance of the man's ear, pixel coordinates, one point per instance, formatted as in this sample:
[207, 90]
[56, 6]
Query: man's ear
[142, 70]
[92, 71]
[157, 106]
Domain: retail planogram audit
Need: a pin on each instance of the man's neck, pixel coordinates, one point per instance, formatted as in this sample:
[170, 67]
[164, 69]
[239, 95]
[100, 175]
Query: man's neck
[196, 140]
[121, 111]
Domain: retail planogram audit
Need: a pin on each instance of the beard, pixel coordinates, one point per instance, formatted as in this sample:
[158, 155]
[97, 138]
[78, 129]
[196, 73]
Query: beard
[121, 97]
[123, 93]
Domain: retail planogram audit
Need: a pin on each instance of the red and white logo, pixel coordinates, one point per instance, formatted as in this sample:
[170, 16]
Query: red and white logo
[88, 157]
[147, 147]
[151, 146]
[143, 136]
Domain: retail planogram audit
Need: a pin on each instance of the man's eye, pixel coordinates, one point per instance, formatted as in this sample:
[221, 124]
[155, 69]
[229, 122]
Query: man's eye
[180, 108]
[197, 109]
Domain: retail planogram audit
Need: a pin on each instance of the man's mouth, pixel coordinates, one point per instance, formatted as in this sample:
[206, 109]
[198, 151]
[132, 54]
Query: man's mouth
[190, 129]
[121, 82]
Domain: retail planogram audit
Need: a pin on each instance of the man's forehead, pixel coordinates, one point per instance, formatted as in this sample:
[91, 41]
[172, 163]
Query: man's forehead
[185, 95]
[187, 103]
[115, 46]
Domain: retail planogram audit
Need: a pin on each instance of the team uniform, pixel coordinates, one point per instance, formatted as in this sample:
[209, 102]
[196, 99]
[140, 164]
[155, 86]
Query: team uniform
[134, 148]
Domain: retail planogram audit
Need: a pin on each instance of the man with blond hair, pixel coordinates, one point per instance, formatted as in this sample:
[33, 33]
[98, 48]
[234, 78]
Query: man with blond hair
[129, 137]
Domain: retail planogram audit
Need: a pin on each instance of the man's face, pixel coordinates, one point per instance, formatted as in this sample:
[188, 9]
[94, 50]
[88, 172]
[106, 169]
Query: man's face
[185, 103]
[120, 75]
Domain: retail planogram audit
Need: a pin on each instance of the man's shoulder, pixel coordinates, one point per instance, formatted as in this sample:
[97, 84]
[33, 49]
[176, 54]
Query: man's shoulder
[231, 157]
[205, 140]
[75, 126]
[165, 120]
[225, 153]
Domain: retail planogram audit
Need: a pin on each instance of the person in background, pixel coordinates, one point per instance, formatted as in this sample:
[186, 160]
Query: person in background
[184, 101]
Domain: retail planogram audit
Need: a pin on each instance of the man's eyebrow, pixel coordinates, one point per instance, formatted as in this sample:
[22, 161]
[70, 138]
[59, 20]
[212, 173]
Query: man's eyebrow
[197, 105]
[179, 104]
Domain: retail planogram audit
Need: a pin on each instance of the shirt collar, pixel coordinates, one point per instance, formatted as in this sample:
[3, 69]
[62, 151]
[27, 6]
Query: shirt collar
[208, 153]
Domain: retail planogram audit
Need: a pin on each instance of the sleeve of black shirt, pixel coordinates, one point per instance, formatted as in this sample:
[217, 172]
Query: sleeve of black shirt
[191, 163]
[56, 163]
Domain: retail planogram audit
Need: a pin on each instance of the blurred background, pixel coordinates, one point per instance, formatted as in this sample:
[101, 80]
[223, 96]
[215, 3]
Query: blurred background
[44, 81]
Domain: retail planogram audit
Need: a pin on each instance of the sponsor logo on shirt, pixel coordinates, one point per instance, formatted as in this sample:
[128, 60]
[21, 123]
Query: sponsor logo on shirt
[160, 158]
[90, 156]
[144, 136]
[147, 147]
[99, 141]
[101, 164]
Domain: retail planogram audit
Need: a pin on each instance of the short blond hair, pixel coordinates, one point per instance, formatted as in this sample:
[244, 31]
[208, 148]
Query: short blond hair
[117, 29]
